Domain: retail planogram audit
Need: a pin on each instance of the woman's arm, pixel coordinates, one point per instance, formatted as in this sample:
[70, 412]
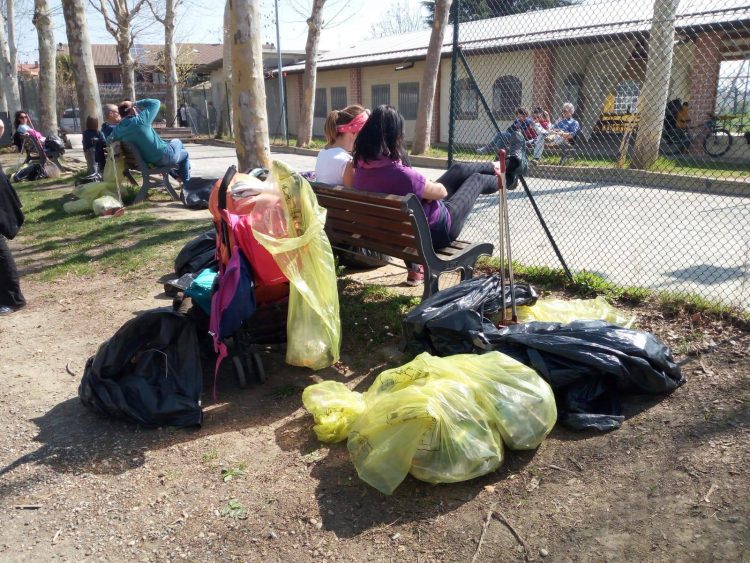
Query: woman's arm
[348, 175]
[434, 190]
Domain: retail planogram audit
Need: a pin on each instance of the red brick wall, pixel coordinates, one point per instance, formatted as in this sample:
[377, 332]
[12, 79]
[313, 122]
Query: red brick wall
[544, 78]
[355, 85]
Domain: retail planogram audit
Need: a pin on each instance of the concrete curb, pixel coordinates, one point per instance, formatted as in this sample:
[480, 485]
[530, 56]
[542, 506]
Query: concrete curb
[642, 178]
[572, 173]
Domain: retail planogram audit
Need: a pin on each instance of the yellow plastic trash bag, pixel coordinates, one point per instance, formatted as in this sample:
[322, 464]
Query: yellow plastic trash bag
[105, 205]
[441, 419]
[562, 311]
[334, 408]
[88, 193]
[291, 228]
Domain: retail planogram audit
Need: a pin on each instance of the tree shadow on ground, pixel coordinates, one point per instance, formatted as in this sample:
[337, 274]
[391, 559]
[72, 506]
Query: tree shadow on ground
[73, 439]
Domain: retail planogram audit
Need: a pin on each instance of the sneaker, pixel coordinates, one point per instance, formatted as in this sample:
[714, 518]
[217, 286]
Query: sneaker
[414, 277]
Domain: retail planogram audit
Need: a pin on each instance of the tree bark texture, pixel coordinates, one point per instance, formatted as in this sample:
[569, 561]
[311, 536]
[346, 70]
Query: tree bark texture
[314, 25]
[81, 59]
[47, 68]
[12, 48]
[219, 88]
[248, 86]
[653, 97]
[170, 58]
[8, 75]
[127, 66]
[423, 126]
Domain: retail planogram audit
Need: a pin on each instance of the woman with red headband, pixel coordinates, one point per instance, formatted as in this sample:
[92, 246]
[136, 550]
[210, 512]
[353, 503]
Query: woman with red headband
[341, 128]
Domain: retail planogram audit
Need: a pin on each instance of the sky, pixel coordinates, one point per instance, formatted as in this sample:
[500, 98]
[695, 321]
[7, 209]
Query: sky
[202, 22]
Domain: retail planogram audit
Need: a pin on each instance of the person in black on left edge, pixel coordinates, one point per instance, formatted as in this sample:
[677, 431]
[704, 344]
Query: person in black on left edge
[11, 219]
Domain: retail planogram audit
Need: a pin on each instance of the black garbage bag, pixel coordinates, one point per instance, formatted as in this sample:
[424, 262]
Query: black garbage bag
[359, 258]
[149, 372]
[196, 191]
[197, 254]
[589, 364]
[448, 322]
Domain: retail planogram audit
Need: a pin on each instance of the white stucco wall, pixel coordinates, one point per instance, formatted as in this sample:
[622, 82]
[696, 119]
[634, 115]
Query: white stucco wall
[486, 69]
[386, 74]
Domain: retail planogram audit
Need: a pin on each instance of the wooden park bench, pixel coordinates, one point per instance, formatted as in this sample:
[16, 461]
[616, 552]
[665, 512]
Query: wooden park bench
[395, 226]
[169, 133]
[151, 176]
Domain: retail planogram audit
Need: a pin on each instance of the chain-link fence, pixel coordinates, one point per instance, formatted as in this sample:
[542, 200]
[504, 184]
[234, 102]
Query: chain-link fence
[647, 182]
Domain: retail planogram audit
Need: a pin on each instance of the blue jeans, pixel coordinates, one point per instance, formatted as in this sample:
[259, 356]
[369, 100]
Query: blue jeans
[177, 156]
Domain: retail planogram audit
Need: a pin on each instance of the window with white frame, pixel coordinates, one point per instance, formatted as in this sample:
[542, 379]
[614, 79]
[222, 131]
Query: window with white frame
[381, 95]
[321, 103]
[467, 100]
[408, 99]
[338, 97]
[506, 96]
[626, 96]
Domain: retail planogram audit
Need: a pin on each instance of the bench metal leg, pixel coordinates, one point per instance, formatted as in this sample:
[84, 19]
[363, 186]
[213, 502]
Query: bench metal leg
[168, 186]
[143, 192]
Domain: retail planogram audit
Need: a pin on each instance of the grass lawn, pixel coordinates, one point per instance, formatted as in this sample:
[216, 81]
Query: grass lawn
[57, 244]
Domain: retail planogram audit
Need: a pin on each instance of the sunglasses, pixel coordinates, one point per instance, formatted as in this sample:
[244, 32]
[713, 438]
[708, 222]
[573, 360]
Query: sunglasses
[23, 117]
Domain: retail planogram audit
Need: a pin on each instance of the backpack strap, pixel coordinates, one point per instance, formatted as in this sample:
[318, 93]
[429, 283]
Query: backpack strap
[222, 201]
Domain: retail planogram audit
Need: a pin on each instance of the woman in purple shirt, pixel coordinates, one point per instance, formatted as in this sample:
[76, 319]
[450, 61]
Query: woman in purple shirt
[378, 164]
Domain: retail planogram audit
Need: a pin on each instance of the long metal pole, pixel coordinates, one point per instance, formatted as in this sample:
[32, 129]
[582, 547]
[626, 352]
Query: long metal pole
[454, 67]
[282, 105]
[546, 229]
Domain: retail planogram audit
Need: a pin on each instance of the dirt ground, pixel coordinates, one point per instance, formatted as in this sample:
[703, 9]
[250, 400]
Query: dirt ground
[671, 484]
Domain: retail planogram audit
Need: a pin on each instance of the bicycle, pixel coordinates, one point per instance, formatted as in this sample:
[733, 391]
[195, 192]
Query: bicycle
[716, 141]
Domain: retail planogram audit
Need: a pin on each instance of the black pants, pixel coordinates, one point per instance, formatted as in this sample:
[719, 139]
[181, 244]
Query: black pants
[465, 183]
[10, 288]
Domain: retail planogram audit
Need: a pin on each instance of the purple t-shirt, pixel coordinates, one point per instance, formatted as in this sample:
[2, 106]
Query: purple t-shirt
[390, 177]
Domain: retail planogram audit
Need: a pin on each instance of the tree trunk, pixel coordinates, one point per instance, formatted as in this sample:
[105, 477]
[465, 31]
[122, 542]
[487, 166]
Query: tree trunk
[47, 68]
[81, 59]
[653, 96]
[8, 75]
[127, 63]
[248, 86]
[423, 127]
[12, 47]
[223, 105]
[314, 23]
[170, 58]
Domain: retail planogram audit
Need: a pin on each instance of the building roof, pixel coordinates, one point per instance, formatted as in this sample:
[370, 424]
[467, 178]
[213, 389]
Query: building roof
[105, 54]
[580, 22]
[30, 69]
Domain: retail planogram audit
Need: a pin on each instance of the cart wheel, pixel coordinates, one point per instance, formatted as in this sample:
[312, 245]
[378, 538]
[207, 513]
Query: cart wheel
[260, 372]
[240, 371]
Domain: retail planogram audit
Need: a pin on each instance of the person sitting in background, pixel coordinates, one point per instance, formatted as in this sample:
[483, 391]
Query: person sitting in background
[111, 119]
[378, 163]
[522, 123]
[136, 128]
[566, 128]
[93, 146]
[542, 129]
[22, 126]
[341, 129]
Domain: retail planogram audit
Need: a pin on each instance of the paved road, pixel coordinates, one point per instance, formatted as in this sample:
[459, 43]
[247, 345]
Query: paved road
[631, 235]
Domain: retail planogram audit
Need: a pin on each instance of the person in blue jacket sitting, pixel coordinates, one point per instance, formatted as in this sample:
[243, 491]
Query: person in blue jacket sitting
[135, 128]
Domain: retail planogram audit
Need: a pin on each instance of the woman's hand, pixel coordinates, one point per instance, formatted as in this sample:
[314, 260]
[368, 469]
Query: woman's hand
[434, 190]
